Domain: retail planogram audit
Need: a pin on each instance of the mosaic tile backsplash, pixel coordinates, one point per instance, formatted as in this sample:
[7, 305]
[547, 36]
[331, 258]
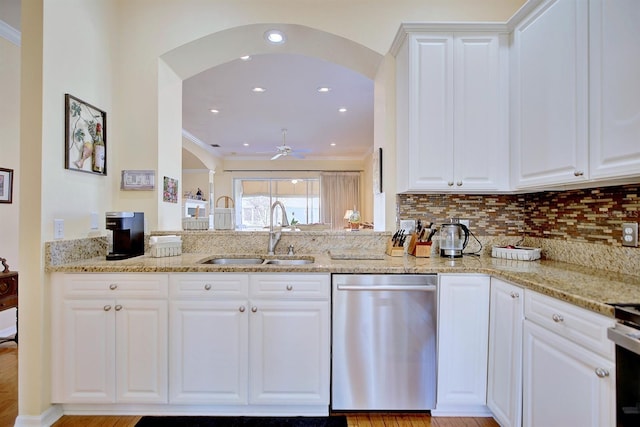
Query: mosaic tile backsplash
[591, 215]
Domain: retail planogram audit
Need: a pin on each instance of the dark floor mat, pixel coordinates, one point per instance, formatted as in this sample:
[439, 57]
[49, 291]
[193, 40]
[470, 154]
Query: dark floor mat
[200, 421]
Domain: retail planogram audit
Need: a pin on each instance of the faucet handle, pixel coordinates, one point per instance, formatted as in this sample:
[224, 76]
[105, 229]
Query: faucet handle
[291, 250]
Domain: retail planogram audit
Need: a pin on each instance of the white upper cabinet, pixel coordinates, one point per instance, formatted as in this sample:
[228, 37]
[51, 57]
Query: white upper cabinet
[549, 95]
[451, 112]
[575, 100]
[614, 89]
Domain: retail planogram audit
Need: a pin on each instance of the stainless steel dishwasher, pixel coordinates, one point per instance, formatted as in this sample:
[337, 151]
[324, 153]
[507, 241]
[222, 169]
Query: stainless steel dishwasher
[384, 342]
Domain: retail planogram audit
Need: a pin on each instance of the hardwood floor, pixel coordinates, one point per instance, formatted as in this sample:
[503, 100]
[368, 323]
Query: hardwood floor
[9, 408]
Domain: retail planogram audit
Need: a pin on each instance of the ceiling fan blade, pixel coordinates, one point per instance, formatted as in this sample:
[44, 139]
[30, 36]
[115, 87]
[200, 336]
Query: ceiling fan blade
[277, 156]
[297, 155]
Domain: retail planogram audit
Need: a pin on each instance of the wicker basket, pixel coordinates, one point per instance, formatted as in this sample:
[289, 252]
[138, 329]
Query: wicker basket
[223, 218]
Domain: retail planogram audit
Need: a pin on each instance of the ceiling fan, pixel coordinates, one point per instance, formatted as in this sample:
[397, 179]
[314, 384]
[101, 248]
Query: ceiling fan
[285, 150]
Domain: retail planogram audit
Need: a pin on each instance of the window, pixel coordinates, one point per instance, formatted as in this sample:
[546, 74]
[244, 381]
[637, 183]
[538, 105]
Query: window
[254, 197]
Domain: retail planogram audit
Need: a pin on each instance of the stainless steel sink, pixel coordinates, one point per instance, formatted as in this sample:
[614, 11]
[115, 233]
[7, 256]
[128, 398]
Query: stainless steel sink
[233, 260]
[297, 261]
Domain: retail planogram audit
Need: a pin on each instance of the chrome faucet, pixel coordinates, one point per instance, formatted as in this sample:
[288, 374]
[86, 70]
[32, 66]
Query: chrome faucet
[274, 237]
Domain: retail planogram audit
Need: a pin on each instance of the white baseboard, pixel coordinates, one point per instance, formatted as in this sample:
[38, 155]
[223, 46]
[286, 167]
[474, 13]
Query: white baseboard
[46, 419]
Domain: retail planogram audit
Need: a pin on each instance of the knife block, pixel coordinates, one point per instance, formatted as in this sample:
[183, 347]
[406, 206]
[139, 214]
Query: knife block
[394, 250]
[422, 250]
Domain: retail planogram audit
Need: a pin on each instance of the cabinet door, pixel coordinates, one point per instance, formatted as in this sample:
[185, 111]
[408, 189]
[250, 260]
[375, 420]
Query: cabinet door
[425, 149]
[86, 352]
[480, 142]
[549, 107]
[289, 352]
[504, 388]
[463, 329]
[560, 384]
[615, 93]
[141, 351]
[209, 347]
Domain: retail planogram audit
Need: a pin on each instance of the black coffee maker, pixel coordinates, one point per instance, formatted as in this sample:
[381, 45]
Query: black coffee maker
[128, 234]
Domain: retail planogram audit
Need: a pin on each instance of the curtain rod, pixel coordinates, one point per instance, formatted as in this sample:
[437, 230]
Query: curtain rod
[289, 170]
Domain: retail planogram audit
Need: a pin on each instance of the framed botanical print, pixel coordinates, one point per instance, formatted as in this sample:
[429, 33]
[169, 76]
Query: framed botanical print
[6, 185]
[85, 137]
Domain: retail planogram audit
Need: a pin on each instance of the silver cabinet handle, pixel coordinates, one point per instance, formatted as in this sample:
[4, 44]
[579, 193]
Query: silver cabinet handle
[578, 173]
[450, 183]
[241, 309]
[601, 372]
[113, 286]
[557, 318]
[118, 307]
[289, 287]
[106, 308]
[254, 309]
[459, 183]
[207, 287]
[515, 295]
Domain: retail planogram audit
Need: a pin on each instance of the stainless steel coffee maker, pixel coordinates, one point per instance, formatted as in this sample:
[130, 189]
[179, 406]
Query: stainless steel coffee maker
[453, 238]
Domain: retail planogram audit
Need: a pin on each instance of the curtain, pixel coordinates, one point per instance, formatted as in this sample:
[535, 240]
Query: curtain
[339, 192]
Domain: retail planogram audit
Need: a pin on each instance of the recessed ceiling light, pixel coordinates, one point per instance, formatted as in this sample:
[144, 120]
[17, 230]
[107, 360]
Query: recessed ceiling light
[342, 110]
[294, 181]
[246, 144]
[333, 144]
[246, 58]
[324, 89]
[214, 111]
[275, 37]
[258, 89]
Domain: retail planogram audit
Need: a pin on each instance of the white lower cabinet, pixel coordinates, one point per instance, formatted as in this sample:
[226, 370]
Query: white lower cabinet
[463, 326]
[109, 335]
[250, 339]
[568, 366]
[504, 380]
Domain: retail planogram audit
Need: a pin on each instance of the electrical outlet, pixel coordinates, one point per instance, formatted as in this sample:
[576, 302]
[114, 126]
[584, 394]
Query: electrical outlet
[58, 228]
[408, 225]
[93, 220]
[630, 234]
[465, 222]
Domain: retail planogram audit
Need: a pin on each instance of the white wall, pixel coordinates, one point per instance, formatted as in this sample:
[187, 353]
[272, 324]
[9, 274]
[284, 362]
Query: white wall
[9, 159]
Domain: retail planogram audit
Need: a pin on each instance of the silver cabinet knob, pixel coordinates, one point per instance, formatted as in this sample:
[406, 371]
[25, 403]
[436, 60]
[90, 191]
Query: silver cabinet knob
[515, 295]
[241, 309]
[601, 372]
[459, 183]
[557, 318]
[207, 287]
[289, 287]
[106, 308]
[450, 183]
[113, 286]
[118, 307]
[578, 173]
[254, 309]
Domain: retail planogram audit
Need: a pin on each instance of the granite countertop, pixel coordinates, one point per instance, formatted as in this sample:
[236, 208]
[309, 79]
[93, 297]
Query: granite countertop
[585, 287]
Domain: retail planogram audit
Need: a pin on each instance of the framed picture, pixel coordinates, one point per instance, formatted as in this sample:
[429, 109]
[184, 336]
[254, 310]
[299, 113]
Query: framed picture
[6, 185]
[170, 190]
[138, 180]
[85, 130]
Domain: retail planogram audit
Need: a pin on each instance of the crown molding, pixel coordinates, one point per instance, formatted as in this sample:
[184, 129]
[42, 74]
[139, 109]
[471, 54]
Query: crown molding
[10, 33]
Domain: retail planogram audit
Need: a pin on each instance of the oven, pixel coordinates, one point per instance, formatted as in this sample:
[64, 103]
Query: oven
[626, 336]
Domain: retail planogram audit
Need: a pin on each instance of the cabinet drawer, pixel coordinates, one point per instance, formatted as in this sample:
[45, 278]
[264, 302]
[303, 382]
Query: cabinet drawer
[209, 285]
[295, 286]
[8, 292]
[581, 326]
[143, 285]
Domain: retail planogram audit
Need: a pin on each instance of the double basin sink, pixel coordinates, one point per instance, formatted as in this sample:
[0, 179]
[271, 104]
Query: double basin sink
[243, 260]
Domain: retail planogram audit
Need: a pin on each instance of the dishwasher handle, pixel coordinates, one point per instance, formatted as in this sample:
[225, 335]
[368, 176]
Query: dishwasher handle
[428, 288]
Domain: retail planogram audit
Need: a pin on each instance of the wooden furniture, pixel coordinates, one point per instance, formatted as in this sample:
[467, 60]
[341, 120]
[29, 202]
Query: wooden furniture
[9, 295]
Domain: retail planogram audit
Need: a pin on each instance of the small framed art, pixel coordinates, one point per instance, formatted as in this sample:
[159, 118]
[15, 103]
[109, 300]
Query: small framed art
[85, 137]
[6, 185]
